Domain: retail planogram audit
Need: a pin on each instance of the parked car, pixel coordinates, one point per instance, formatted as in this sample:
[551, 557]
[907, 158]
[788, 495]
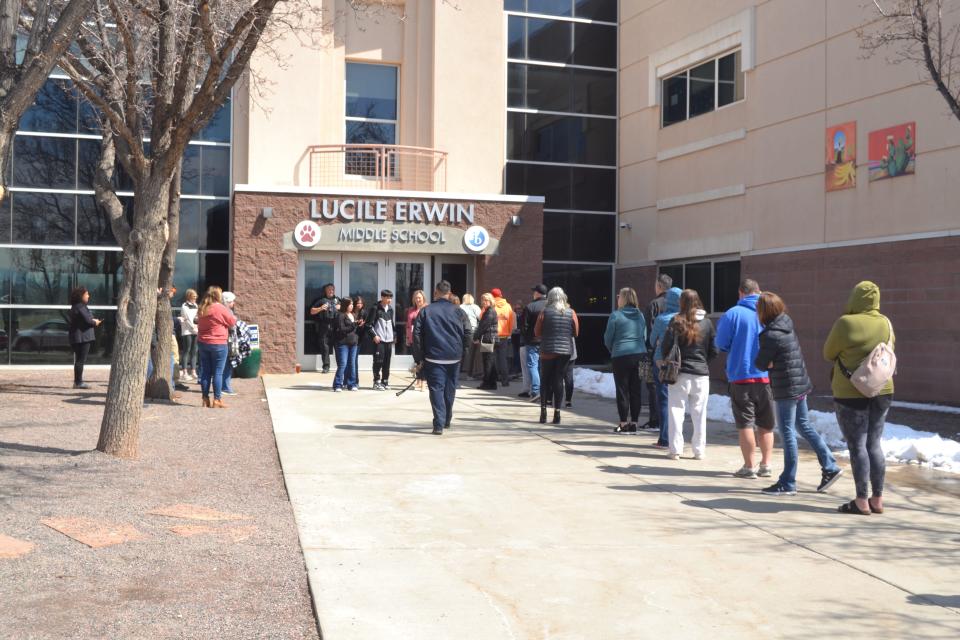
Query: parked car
[4, 340]
[52, 334]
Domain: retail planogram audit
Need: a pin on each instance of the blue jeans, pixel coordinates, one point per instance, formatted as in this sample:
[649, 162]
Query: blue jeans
[150, 369]
[346, 366]
[793, 416]
[212, 357]
[442, 382]
[533, 366]
[663, 404]
[227, 375]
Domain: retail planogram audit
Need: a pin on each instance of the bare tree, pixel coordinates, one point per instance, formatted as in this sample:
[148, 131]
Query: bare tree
[924, 32]
[48, 28]
[156, 69]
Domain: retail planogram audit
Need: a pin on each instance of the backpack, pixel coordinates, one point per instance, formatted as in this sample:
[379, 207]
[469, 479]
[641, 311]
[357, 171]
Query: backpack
[876, 370]
[670, 365]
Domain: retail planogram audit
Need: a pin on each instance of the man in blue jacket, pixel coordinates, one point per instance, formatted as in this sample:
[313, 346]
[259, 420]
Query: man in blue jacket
[750, 397]
[441, 333]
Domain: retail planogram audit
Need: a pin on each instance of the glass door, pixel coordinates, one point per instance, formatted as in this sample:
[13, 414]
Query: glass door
[458, 271]
[316, 270]
[408, 274]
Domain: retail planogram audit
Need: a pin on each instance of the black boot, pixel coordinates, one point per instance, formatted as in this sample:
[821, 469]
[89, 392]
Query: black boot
[543, 415]
[556, 416]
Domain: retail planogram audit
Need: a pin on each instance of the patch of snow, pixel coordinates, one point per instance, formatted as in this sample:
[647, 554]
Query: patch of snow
[900, 443]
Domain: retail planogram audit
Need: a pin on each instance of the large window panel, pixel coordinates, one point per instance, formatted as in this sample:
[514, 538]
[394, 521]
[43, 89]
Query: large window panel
[579, 237]
[674, 107]
[214, 270]
[41, 276]
[218, 129]
[186, 275]
[550, 7]
[49, 163]
[100, 272]
[604, 10]
[43, 218]
[551, 182]
[516, 85]
[594, 189]
[54, 109]
[7, 270]
[6, 330]
[359, 132]
[590, 349]
[215, 225]
[102, 350]
[730, 79]
[553, 138]
[548, 88]
[6, 212]
[88, 159]
[698, 276]
[595, 45]
[675, 271]
[516, 37]
[190, 171]
[215, 178]
[371, 91]
[594, 92]
[702, 86]
[39, 336]
[548, 40]
[190, 225]
[588, 287]
[726, 283]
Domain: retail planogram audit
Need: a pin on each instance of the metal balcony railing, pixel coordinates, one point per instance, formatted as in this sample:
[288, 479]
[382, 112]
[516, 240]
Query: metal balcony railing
[377, 166]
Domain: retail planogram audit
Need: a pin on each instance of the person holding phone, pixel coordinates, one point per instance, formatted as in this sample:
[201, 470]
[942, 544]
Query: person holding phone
[81, 333]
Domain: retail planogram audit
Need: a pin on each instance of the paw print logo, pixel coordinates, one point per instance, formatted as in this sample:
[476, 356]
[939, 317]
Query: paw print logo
[307, 233]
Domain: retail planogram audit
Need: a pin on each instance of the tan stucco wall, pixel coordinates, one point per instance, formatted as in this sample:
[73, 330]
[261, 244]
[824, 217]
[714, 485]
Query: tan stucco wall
[452, 90]
[809, 73]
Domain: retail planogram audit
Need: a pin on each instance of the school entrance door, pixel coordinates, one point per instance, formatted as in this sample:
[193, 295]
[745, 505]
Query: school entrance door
[365, 275]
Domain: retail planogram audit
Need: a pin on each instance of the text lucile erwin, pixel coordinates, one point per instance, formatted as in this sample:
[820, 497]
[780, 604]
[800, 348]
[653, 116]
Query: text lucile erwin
[395, 211]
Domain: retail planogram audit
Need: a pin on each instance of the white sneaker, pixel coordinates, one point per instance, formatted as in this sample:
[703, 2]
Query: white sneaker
[673, 456]
[698, 456]
[338, 390]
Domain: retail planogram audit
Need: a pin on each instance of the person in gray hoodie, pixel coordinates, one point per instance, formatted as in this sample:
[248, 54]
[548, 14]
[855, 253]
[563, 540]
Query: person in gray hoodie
[626, 340]
[671, 306]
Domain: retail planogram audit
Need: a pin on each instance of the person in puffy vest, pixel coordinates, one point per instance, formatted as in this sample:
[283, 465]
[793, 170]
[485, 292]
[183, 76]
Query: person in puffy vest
[853, 336]
[556, 328]
[780, 353]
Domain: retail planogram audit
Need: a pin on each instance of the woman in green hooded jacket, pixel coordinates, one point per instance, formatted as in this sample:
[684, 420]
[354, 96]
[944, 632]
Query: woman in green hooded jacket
[853, 336]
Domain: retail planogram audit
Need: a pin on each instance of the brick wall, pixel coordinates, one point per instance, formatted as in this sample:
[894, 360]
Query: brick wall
[264, 275]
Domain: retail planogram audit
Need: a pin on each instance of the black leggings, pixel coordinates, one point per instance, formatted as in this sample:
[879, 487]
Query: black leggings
[568, 381]
[862, 426]
[626, 377]
[551, 380]
[80, 352]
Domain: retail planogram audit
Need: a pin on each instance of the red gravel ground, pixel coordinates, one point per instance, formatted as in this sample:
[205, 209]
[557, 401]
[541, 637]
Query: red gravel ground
[230, 578]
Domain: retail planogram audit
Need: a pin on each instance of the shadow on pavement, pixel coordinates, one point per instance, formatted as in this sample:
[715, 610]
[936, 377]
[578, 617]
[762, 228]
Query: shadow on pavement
[29, 448]
[755, 506]
[383, 428]
[934, 600]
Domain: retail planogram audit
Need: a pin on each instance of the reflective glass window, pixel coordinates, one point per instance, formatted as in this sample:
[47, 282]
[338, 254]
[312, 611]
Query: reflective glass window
[100, 272]
[515, 5]
[218, 129]
[366, 132]
[43, 218]
[49, 163]
[5, 219]
[39, 336]
[579, 237]
[698, 276]
[605, 10]
[371, 91]
[726, 282]
[730, 79]
[675, 271]
[40, 276]
[549, 40]
[214, 270]
[88, 159]
[548, 88]
[551, 182]
[702, 86]
[588, 287]
[551, 7]
[189, 237]
[5, 332]
[102, 350]
[54, 109]
[516, 37]
[93, 225]
[674, 107]
[190, 171]
[553, 138]
[215, 225]
[6, 275]
[516, 85]
[186, 275]
[594, 92]
[595, 45]
[215, 179]
[590, 349]
[594, 189]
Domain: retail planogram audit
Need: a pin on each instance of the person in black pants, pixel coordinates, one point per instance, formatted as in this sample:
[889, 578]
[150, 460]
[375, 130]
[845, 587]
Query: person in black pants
[440, 334]
[81, 333]
[486, 333]
[626, 340]
[324, 311]
[556, 327]
[380, 324]
[657, 306]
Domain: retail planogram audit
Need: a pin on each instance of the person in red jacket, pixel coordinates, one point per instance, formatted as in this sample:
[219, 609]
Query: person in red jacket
[214, 322]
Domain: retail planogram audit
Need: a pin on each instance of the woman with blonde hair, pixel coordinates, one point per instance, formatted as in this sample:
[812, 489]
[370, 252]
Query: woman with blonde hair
[188, 336]
[214, 322]
[417, 302]
[485, 337]
[626, 339]
[557, 326]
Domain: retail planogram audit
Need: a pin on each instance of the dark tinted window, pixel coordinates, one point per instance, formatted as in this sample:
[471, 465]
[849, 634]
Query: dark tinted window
[594, 92]
[595, 45]
[697, 276]
[215, 180]
[516, 37]
[371, 91]
[5, 221]
[579, 237]
[675, 271]
[514, 5]
[40, 276]
[218, 129]
[594, 189]
[54, 109]
[190, 171]
[589, 288]
[605, 10]
[43, 218]
[548, 88]
[359, 132]
[215, 229]
[100, 272]
[702, 83]
[590, 349]
[674, 99]
[549, 40]
[88, 158]
[516, 85]
[726, 281]
[49, 163]
[553, 138]
[550, 7]
[553, 183]
[189, 224]
[730, 80]
[213, 270]
[93, 225]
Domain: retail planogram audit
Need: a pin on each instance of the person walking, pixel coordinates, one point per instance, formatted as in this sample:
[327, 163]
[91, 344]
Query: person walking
[473, 316]
[557, 326]
[382, 328]
[692, 331]
[440, 334]
[214, 322]
[626, 339]
[417, 302]
[346, 348]
[671, 305]
[505, 322]
[188, 336]
[780, 353]
[657, 306]
[81, 333]
[324, 311]
[852, 339]
[750, 397]
[531, 349]
[484, 336]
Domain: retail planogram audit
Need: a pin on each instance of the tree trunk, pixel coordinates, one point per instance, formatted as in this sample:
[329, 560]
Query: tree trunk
[161, 385]
[136, 312]
[7, 131]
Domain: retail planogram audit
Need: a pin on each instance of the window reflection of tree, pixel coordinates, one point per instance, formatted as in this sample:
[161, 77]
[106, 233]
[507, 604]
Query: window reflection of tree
[43, 218]
[41, 276]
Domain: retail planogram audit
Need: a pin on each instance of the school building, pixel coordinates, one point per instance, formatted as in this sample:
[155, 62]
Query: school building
[588, 144]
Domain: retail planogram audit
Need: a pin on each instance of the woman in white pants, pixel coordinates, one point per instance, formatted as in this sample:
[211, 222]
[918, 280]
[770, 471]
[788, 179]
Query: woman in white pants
[694, 335]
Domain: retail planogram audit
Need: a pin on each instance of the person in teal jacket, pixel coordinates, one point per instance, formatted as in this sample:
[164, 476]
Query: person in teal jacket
[626, 340]
[672, 306]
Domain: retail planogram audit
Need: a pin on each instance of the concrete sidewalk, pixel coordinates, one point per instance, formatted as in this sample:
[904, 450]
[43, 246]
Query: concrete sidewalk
[505, 528]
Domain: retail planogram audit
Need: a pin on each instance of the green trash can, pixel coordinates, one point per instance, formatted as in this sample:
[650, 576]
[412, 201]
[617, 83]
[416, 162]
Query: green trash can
[250, 367]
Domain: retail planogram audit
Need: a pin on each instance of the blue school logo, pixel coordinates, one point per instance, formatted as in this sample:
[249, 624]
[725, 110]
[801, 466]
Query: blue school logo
[476, 239]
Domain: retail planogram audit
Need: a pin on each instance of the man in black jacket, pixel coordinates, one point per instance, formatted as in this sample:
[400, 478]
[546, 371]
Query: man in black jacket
[532, 342]
[657, 306]
[440, 334]
[324, 312]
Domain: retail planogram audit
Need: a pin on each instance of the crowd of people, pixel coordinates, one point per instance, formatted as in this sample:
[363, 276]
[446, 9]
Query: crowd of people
[667, 348]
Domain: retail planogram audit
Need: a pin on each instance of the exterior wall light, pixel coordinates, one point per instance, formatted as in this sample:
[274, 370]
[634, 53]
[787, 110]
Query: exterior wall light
[626, 225]
[515, 221]
[266, 213]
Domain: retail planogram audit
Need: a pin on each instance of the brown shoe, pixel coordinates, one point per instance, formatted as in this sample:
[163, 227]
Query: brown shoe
[206, 401]
[218, 404]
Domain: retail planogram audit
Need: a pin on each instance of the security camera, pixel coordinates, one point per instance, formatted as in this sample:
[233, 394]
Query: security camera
[626, 225]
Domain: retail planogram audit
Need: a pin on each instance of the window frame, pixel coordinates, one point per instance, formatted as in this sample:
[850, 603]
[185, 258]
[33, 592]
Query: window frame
[712, 261]
[685, 73]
